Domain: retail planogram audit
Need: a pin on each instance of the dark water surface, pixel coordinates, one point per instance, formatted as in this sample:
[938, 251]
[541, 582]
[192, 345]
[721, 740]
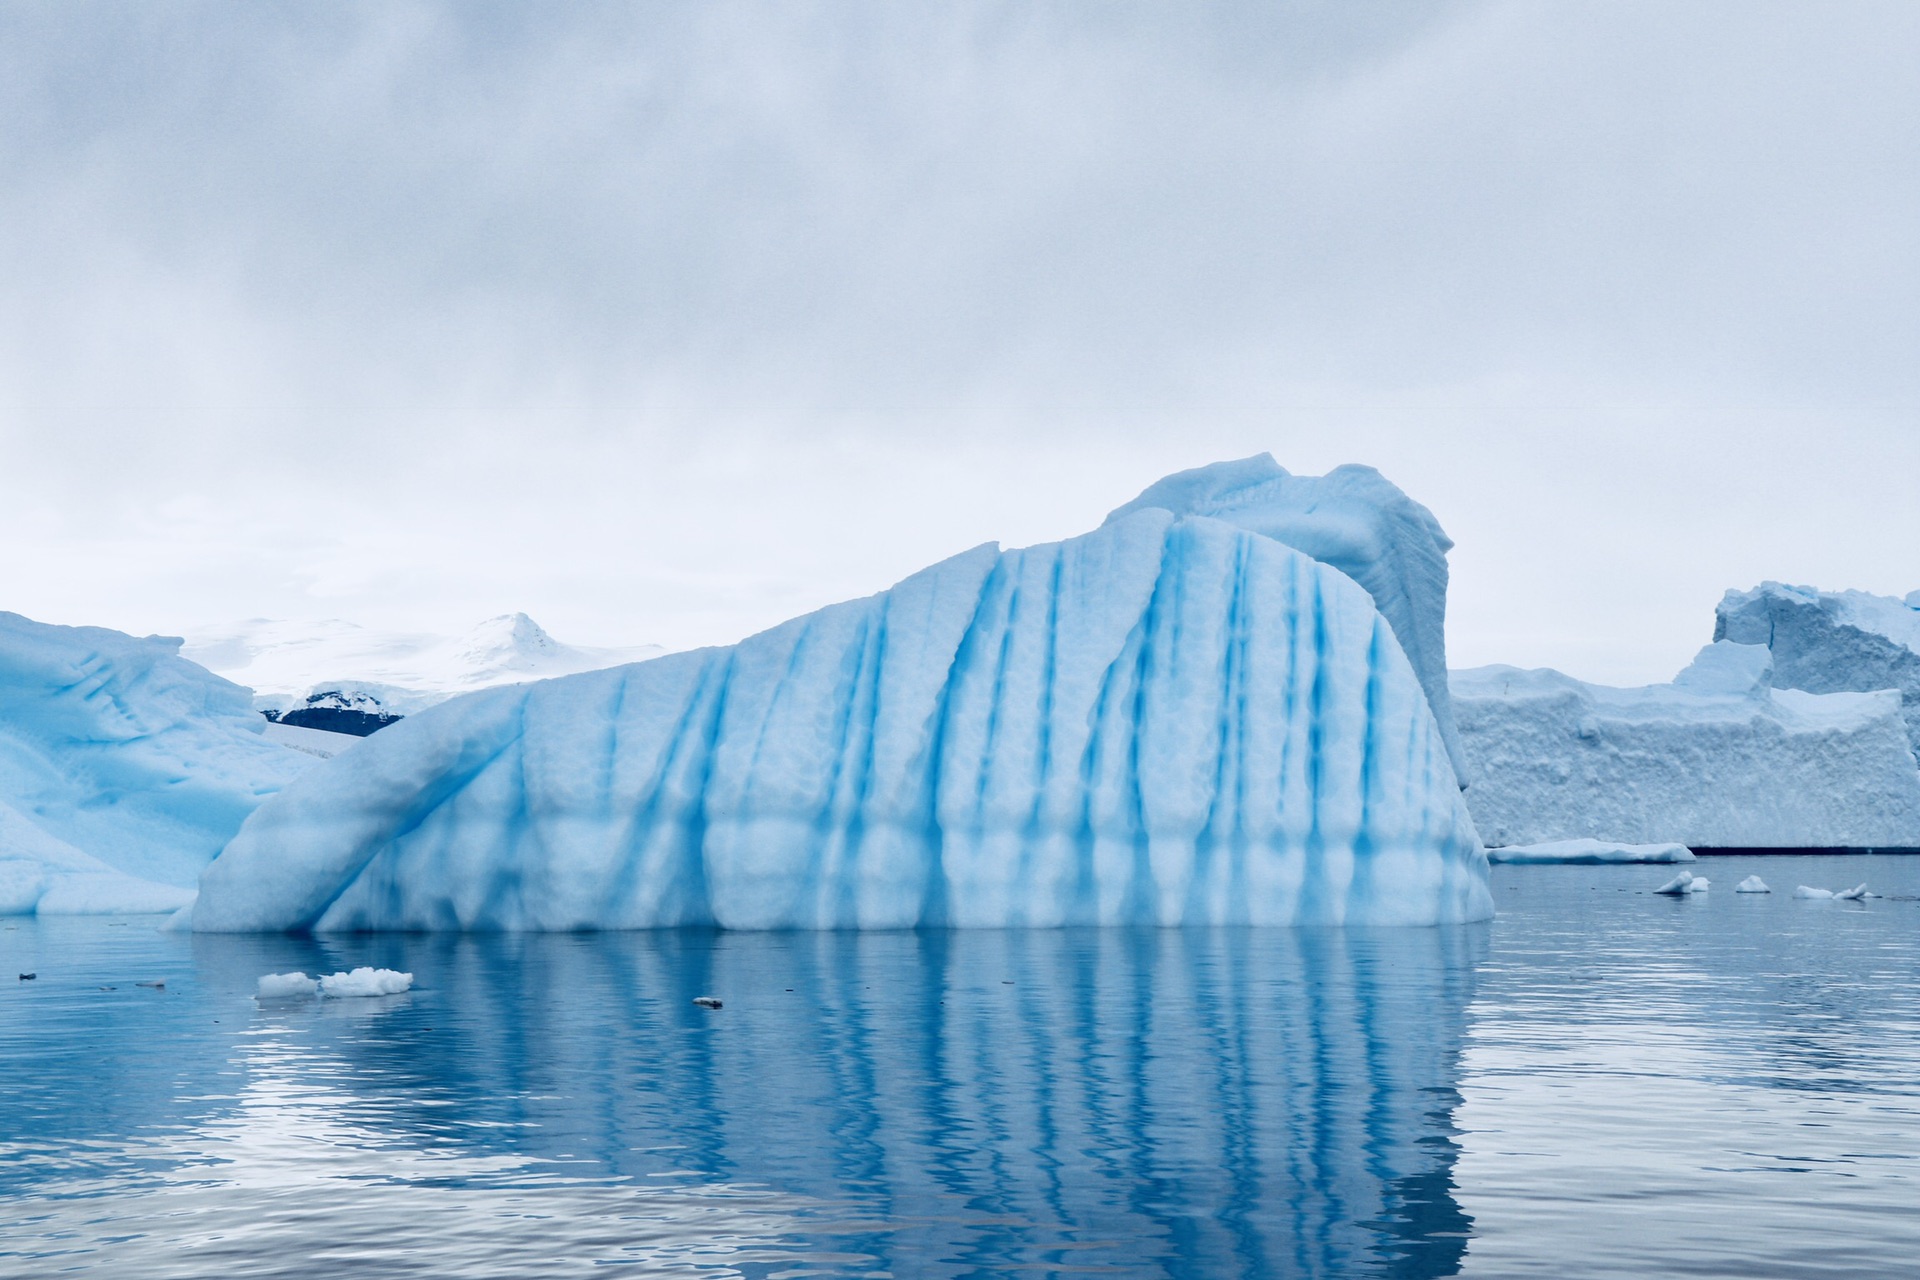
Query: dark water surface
[1600, 1083]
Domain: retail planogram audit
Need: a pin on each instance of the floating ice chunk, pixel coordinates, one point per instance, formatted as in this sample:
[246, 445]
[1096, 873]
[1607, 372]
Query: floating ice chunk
[1684, 883]
[1752, 884]
[279, 986]
[366, 982]
[1854, 894]
[1808, 891]
[1588, 852]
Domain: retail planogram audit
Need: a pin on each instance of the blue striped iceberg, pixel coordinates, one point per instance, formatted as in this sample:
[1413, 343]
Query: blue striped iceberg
[1173, 720]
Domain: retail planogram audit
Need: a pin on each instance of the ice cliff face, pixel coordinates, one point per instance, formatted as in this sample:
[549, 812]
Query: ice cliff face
[1354, 519]
[1171, 719]
[1831, 641]
[123, 768]
[1717, 759]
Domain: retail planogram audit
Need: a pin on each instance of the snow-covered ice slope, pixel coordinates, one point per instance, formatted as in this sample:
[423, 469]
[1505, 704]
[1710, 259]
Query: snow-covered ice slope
[1354, 519]
[117, 756]
[1831, 641]
[1717, 759]
[1166, 720]
[286, 663]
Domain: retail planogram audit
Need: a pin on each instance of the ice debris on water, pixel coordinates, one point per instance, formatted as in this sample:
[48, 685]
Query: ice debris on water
[707, 1002]
[1684, 883]
[278, 986]
[1752, 884]
[1589, 852]
[366, 982]
[360, 982]
[1855, 894]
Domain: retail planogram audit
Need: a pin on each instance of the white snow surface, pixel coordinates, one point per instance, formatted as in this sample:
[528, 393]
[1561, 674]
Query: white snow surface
[1752, 884]
[1717, 758]
[123, 769]
[1831, 641]
[1166, 720]
[286, 662]
[1589, 852]
[1354, 519]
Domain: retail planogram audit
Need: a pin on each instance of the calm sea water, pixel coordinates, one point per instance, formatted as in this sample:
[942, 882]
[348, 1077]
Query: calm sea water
[1600, 1083]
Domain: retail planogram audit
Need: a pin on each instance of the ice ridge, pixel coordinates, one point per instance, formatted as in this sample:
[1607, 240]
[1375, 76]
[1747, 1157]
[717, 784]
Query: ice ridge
[1354, 519]
[1831, 641]
[1167, 720]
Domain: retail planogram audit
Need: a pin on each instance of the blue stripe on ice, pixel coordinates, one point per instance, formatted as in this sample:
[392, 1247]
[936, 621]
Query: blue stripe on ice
[1166, 720]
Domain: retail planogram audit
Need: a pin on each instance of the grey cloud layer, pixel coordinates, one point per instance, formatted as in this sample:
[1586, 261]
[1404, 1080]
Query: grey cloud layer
[833, 205]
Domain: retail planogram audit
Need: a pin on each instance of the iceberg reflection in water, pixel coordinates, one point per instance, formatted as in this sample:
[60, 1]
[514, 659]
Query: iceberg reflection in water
[1199, 1102]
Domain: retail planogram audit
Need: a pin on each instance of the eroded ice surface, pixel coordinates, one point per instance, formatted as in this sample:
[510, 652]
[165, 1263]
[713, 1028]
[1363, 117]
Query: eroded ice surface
[1586, 852]
[123, 769]
[1354, 519]
[1165, 720]
[1718, 758]
[1831, 641]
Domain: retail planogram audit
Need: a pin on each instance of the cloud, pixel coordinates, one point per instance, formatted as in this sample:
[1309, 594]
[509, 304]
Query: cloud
[433, 308]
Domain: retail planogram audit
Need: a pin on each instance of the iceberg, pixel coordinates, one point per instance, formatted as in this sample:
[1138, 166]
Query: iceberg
[1752, 884]
[1717, 759]
[1588, 852]
[124, 769]
[1172, 719]
[1831, 641]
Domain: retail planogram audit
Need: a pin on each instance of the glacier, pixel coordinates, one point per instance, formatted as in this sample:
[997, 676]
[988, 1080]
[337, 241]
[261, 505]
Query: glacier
[1171, 719]
[124, 769]
[1831, 641]
[1717, 759]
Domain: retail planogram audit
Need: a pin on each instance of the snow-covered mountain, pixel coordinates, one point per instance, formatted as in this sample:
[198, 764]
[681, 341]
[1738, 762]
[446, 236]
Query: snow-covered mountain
[344, 676]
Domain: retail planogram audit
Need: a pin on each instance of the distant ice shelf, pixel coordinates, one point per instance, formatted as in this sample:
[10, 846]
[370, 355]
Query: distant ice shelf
[1173, 719]
[1717, 759]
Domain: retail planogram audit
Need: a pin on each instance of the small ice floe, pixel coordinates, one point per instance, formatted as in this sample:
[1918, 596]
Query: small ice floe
[366, 982]
[707, 1002]
[1588, 852]
[1854, 894]
[281, 986]
[1684, 883]
[1752, 884]
[1808, 891]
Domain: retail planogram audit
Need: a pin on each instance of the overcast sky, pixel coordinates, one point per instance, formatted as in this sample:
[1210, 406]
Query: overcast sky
[663, 322]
